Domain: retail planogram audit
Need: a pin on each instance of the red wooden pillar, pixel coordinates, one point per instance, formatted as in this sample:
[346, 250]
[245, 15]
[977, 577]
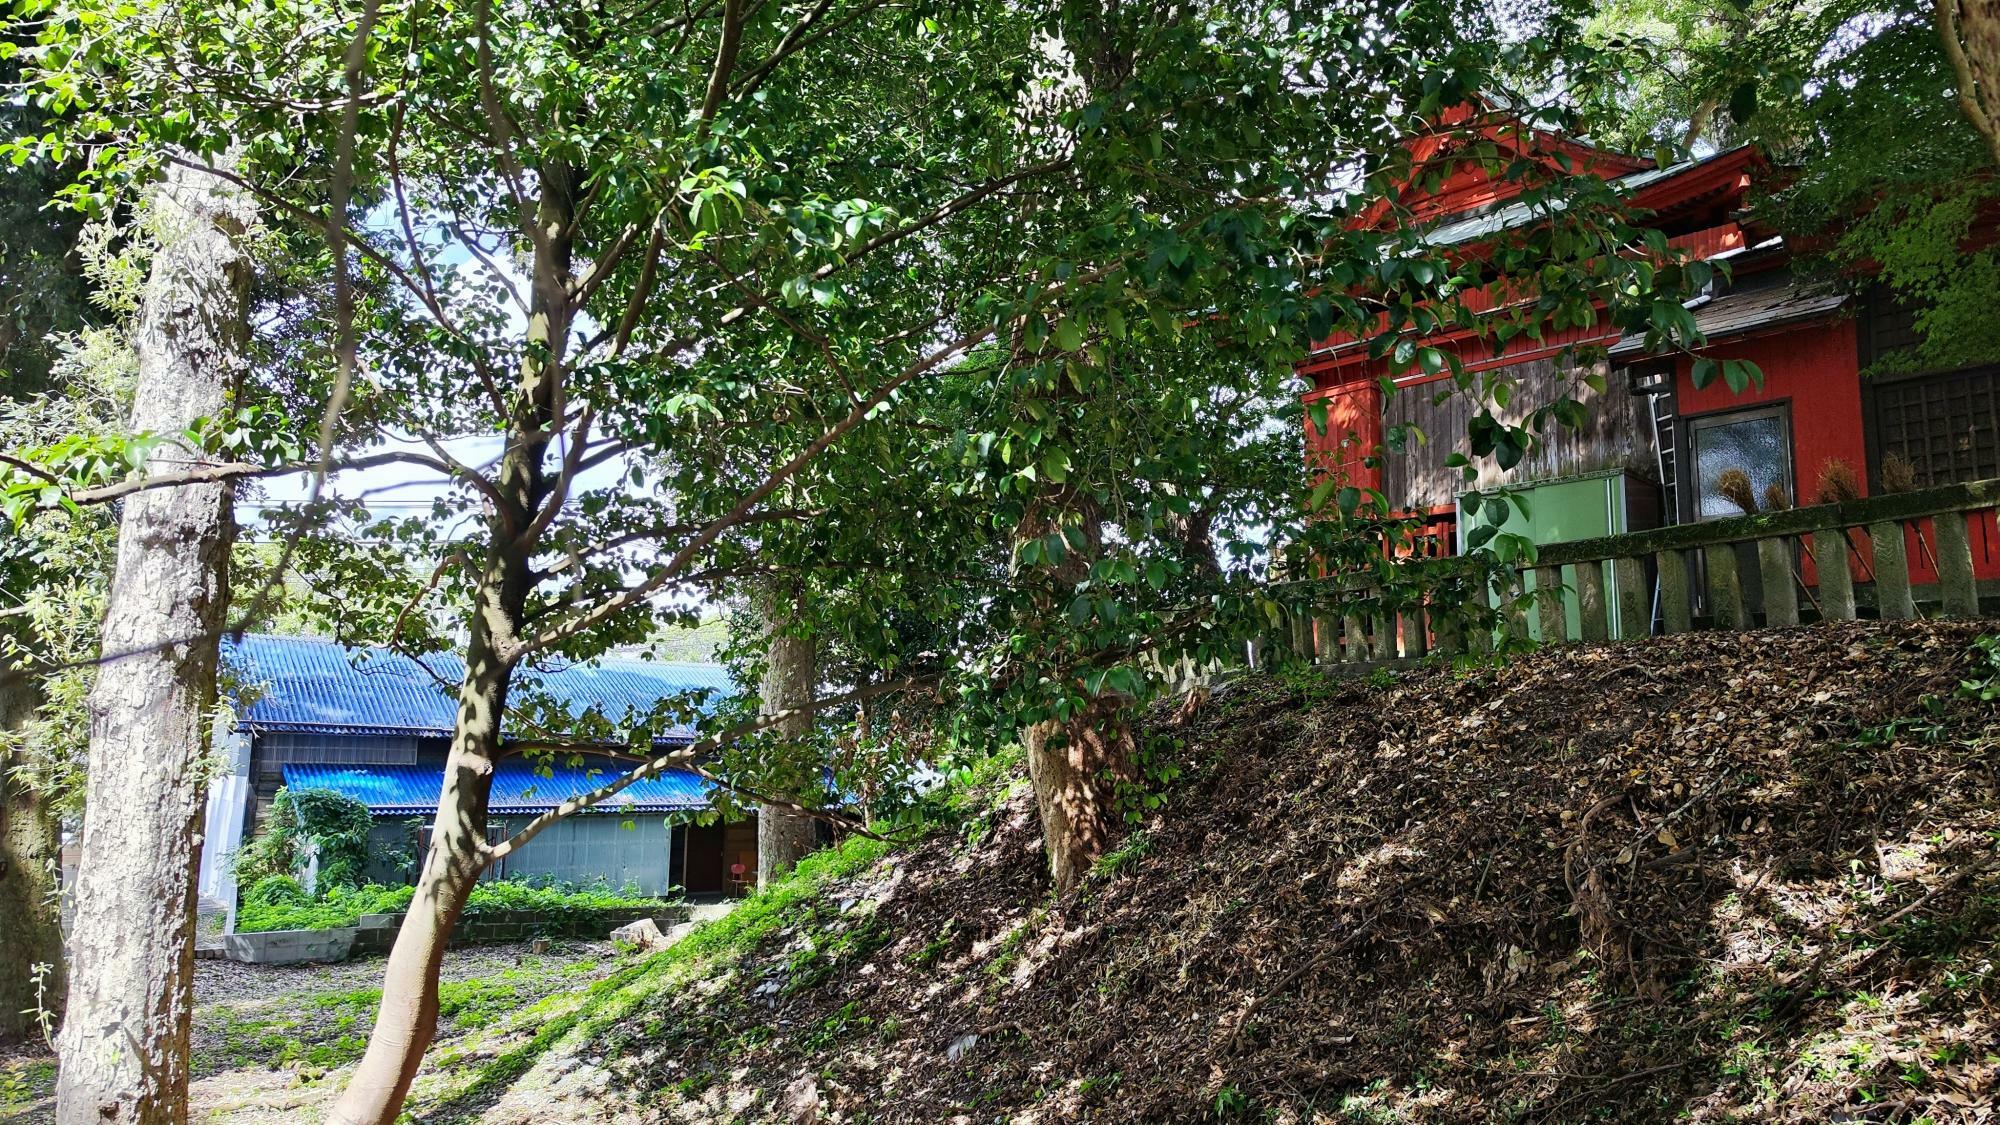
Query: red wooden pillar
[1352, 434]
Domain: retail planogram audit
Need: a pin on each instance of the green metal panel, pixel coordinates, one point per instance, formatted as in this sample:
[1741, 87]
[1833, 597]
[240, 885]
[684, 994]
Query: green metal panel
[1581, 507]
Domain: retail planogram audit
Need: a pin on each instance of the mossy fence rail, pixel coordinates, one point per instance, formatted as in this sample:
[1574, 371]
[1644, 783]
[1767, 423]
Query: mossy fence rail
[1831, 562]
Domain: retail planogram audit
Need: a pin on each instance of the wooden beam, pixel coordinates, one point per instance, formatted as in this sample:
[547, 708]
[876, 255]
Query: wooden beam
[1676, 593]
[1593, 618]
[1416, 642]
[1781, 594]
[1973, 496]
[1725, 588]
[1635, 601]
[1549, 605]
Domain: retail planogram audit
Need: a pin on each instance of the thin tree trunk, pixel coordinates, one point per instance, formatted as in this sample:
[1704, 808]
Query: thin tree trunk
[406, 1020]
[1076, 767]
[783, 836]
[124, 1042]
[30, 881]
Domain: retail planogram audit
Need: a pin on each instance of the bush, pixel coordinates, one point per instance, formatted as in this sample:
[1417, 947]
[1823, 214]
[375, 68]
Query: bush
[334, 824]
[276, 890]
[344, 906]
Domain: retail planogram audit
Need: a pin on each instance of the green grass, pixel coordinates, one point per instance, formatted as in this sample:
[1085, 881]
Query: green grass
[321, 1031]
[711, 949]
[24, 1084]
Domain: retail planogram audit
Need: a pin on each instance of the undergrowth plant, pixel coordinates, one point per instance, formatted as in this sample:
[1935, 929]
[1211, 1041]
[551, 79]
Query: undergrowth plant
[271, 905]
[306, 824]
[1984, 682]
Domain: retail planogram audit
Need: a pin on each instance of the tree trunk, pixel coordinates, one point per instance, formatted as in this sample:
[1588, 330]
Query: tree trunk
[1076, 768]
[30, 881]
[124, 1042]
[783, 836]
[406, 1020]
[1076, 765]
[1970, 30]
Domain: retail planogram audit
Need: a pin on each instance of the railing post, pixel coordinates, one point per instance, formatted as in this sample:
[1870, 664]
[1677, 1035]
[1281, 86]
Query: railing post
[1450, 629]
[1385, 631]
[1676, 600]
[1326, 641]
[1725, 587]
[1836, 578]
[1893, 601]
[1302, 635]
[1781, 595]
[1635, 602]
[1516, 617]
[1357, 641]
[1954, 563]
[1593, 623]
[1416, 642]
[1549, 605]
[1478, 637]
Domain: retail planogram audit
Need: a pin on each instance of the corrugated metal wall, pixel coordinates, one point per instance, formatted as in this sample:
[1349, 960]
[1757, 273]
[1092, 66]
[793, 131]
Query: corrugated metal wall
[583, 849]
[272, 749]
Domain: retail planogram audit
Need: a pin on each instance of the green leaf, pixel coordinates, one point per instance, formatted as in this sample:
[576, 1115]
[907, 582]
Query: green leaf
[1743, 102]
[1321, 492]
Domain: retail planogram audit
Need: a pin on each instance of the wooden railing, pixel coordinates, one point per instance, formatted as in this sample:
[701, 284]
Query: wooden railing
[1730, 573]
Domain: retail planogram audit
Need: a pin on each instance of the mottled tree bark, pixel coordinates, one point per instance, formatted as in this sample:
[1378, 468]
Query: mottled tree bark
[30, 918]
[783, 836]
[1075, 766]
[1970, 32]
[124, 1041]
[406, 1020]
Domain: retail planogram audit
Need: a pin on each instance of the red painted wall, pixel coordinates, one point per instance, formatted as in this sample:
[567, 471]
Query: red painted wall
[1815, 368]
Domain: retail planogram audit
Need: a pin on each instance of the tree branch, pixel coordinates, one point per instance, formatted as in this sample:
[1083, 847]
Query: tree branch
[242, 470]
[725, 62]
[1963, 78]
[654, 766]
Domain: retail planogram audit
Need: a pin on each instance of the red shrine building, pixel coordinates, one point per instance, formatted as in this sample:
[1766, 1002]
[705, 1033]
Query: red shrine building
[1654, 445]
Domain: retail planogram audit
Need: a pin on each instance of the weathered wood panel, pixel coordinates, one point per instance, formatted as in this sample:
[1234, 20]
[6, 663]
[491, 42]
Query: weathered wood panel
[1617, 434]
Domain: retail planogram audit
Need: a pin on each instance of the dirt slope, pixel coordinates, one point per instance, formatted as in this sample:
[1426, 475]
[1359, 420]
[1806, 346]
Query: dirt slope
[1709, 878]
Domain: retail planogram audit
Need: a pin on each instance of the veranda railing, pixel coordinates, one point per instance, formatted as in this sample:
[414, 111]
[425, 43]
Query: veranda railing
[1729, 573]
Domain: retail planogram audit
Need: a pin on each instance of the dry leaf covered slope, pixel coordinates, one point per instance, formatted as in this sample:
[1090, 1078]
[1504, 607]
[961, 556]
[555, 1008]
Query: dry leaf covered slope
[1713, 877]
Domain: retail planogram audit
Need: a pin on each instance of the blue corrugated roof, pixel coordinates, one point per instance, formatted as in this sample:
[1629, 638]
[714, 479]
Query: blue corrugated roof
[517, 787]
[309, 684]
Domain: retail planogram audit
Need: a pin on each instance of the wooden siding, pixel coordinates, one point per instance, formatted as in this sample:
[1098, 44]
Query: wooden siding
[1618, 433]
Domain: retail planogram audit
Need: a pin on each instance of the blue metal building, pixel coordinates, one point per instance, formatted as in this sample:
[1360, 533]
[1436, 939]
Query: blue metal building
[376, 725]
